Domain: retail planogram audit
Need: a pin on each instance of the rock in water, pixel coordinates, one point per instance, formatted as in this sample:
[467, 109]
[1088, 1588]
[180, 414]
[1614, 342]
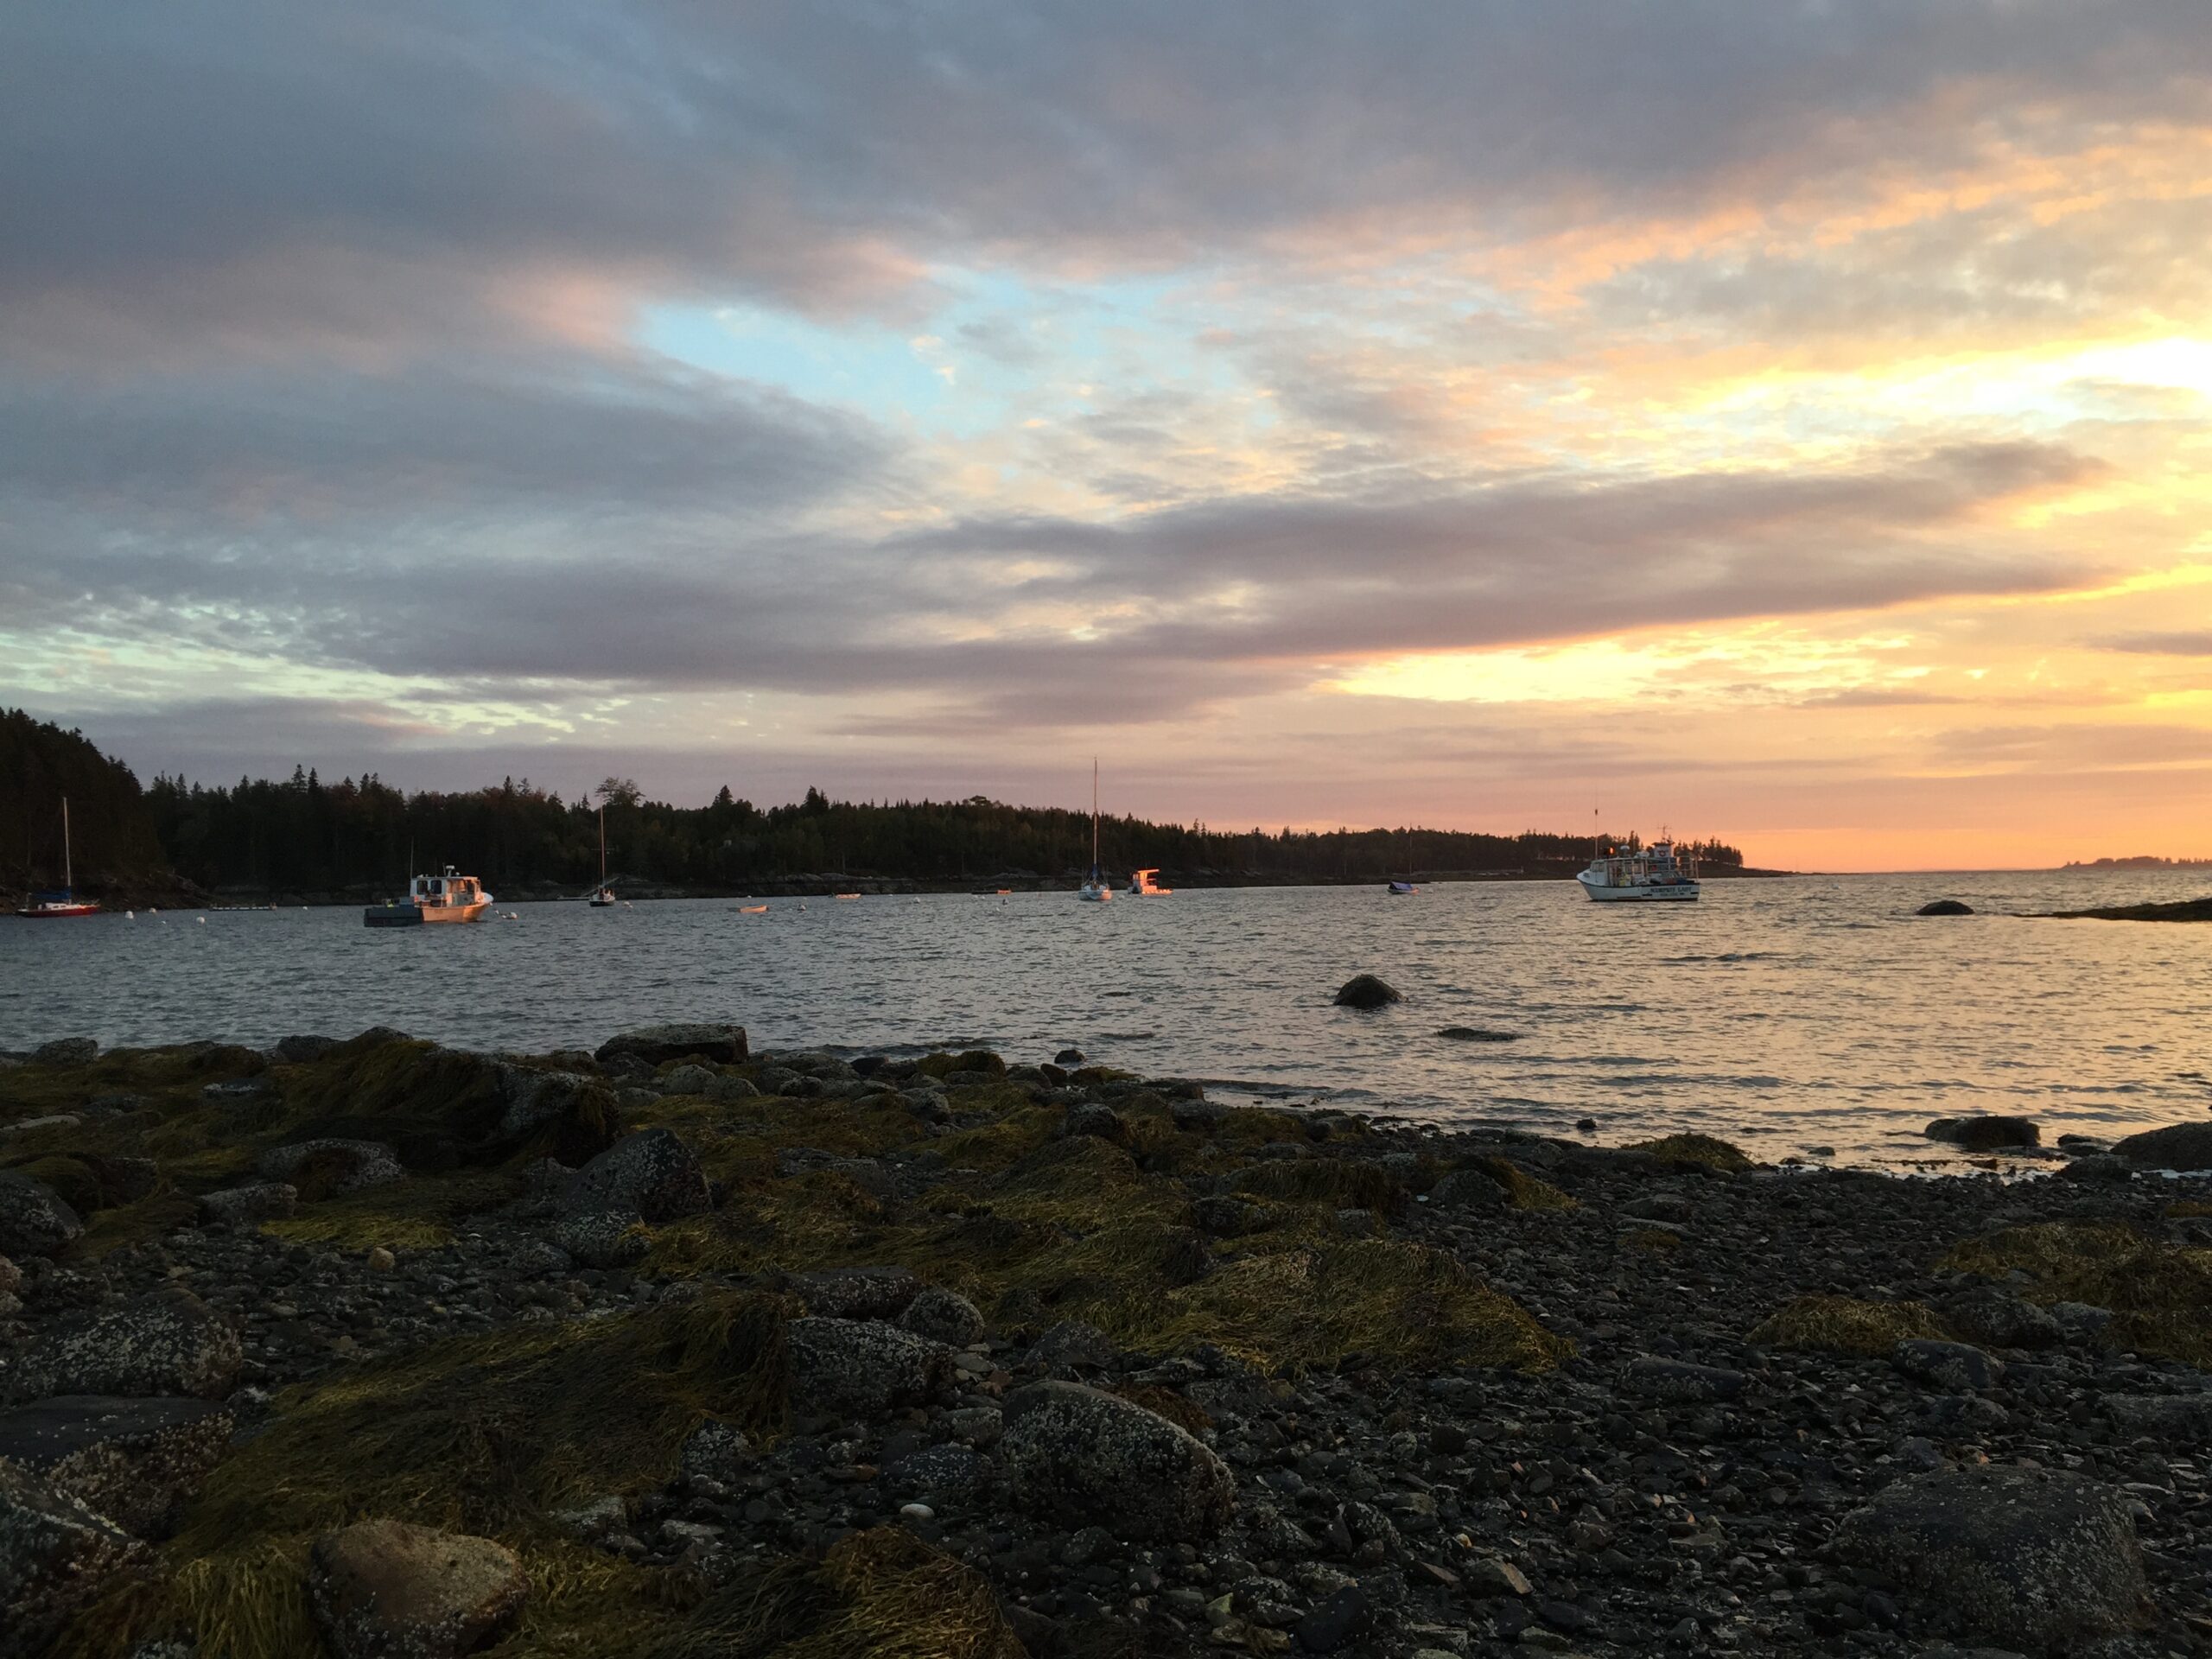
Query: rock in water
[1985, 1134]
[2178, 1146]
[1365, 991]
[169, 1342]
[654, 1045]
[1945, 907]
[2024, 1557]
[384, 1590]
[1478, 1034]
[138, 1462]
[651, 1175]
[864, 1366]
[34, 1221]
[56, 1555]
[1086, 1457]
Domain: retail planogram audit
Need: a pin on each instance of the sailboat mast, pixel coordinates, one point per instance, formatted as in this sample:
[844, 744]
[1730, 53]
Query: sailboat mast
[603, 843]
[1093, 814]
[68, 874]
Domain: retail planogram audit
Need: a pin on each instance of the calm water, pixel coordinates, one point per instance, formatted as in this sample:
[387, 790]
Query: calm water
[1807, 1011]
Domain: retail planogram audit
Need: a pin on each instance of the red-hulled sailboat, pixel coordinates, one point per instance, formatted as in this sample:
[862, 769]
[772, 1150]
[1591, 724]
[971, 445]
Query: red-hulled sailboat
[46, 906]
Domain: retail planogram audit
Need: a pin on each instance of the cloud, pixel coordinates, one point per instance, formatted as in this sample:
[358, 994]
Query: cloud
[2195, 642]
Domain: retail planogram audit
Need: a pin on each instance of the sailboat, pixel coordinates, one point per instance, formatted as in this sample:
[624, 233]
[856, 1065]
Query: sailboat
[1095, 890]
[47, 906]
[605, 897]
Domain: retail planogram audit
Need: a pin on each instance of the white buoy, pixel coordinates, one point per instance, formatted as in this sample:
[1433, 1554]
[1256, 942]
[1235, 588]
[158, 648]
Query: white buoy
[130, 915]
[203, 921]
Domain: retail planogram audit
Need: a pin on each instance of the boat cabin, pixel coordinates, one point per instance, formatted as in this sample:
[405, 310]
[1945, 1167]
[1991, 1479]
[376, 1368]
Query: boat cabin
[446, 889]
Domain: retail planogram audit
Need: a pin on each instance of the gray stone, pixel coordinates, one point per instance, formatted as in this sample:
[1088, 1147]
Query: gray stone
[1997, 1318]
[687, 1079]
[2102, 1167]
[1097, 1120]
[1683, 1383]
[603, 1239]
[977, 1426]
[243, 1206]
[1952, 1365]
[1196, 1113]
[531, 1098]
[729, 1089]
[717, 1045]
[34, 1221]
[864, 1367]
[857, 1292]
[56, 1555]
[715, 1450]
[31, 1125]
[1985, 1132]
[866, 1173]
[1366, 991]
[303, 1050]
[168, 1342]
[1494, 1577]
[2034, 1558]
[330, 1165]
[384, 1590]
[67, 1050]
[2178, 1421]
[652, 1174]
[2178, 1146]
[138, 1462]
[1082, 1457]
[1469, 1189]
[944, 1316]
[946, 1476]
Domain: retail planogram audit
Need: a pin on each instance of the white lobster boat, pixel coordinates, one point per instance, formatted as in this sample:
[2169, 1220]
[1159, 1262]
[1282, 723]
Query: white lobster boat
[448, 897]
[1652, 876]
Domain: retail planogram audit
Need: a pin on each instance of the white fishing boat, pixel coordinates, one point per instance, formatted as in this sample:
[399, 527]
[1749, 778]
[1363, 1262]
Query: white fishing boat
[605, 897]
[1653, 875]
[1095, 890]
[448, 897]
[1142, 886]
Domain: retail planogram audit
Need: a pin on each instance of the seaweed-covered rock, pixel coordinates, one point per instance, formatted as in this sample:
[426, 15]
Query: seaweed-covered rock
[1956, 1366]
[138, 1462]
[385, 1590]
[718, 1044]
[1366, 991]
[531, 1098]
[1469, 1189]
[67, 1050]
[2029, 1558]
[857, 1292]
[243, 1206]
[863, 1366]
[652, 1174]
[944, 1316]
[56, 1555]
[1985, 1132]
[34, 1219]
[1086, 1457]
[168, 1342]
[303, 1048]
[2178, 1146]
[1196, 1114]
[1997, 1318]
[330, 1165]
[1096, 1119]
[1945, 907]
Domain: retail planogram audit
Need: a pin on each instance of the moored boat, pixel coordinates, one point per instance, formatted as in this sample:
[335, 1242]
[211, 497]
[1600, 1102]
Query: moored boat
[1142, 886]
[448, 897]
[63, 902]
[1653, 875]
[605, 896]
[1094, 889]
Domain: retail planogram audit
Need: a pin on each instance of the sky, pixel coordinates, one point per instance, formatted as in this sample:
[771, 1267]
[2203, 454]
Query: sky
[1788, 421]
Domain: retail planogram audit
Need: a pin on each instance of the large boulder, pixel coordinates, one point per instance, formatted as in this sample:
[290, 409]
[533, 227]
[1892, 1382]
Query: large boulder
[67, 1050]
[603, 1239]
[34, 1220]
[532, 1099]
[1945, 907]
[651, 1175]
[1985, 1132]
[717, 1045]
[857, 1292]
[1997, 1318]
[303, 1048]
[56, 1555]
[2181, 1422]
[2178, 1146]
[863, 1367]
[246, 1206]
[1366, 991]
[168, 1342]
[944, 1316]
[385, 1590]
[2031, 1559]
[1085, 1457]
[329, 1165]
[1956, 1367]
[138, 1462]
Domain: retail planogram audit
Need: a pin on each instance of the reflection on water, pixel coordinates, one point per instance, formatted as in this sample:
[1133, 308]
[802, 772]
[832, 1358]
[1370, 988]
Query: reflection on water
[1814, 1011]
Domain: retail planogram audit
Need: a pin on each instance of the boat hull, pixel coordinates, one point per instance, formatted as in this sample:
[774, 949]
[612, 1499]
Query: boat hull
[1094, 895]
[1672, 892]
[468, 913]
[57, 913]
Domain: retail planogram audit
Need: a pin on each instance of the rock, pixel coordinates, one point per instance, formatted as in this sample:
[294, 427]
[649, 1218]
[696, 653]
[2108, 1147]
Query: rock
[863, 1366]
[1068, 1057]
[1985, 1132]
[2103, 1168]
[168, 1342]
[303, 1050]
[655, 1045]
[1952, 1365]
[1997, 1318]
[1944, 907]
[11, 1277]
[56, 1555]
[51, 1121]
[324, 1168]
[379, 1260]
[34, 1221]
[1076, 1454]
[2028, 1557]
[1494, 1577]
[1478, 1034]
[947, 1476]
[728, 1089]
[1469, 1189]
[1365, 991]
[1097, 1120]
[687, 1079]
[2178, 1146]
[857, 1292]
[651, 1175]
[530, 1099]
[138, 1462]
[2178, 1421]
[715, 1450]
[1227, 1218]
[385, 1590]
[67, 1050]
[977, 1426]
[1072, 1346]
[604, 1239]
[1197, 1114]
[1658, 1206]
[243, 1207]
[1335, 1624]
[1683, 1383]
[944, 1316]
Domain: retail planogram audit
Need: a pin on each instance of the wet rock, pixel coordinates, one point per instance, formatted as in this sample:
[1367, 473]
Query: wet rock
[603, 1239]
[325, 1167]
[2103, 1168]
[34, 1221]
[1196, 1114]
[1952, 1365]
[857, 1292]
[138, 1462]
[1097, 1120]
[1945, 907]
[67, 1050]
[1996, 1319]
[2033, 1558]
[944, 1316]
[1985, 1132]
[863, 1366]
[302, 1050]
[1478, 1034]
[1366, 991]
[169, 1342]
[385, 1590]
[56, 1555]
[245, 1206]
[654, 1045]
[1068, 1057]
[532, 1099]
[1683, 1383]
[2178, 1146]
[1076, 1454]
[652, 1174]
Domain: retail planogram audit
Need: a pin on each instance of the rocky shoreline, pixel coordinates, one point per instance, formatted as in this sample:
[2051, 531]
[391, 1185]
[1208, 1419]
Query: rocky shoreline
[677, 1349]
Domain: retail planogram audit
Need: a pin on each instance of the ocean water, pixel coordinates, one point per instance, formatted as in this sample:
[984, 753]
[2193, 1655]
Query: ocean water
[1787, 1014]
